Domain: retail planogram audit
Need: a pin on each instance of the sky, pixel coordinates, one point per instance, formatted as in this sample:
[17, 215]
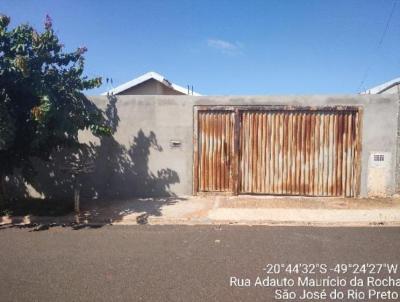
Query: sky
[231, 47]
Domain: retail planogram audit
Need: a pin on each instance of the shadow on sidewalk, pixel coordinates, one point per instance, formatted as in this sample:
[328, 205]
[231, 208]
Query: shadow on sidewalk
[142, 208]
[118, 180]
[96, 214]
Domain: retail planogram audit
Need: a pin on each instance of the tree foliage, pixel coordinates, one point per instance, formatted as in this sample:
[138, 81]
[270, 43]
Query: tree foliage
[42, 106]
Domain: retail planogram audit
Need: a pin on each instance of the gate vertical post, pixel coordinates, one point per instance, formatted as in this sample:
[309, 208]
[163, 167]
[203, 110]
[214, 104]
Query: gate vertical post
[236, 150]
[359, 125]
[195, 152]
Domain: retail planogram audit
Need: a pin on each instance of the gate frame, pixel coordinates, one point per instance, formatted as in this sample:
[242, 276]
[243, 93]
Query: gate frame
[237, 109]
[235, 158]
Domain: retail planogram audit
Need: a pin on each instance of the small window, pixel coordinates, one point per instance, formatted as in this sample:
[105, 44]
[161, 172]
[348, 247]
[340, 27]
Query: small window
[379, 157]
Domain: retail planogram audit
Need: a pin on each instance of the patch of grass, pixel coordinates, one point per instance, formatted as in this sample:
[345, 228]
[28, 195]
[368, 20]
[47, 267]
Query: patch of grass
[36, 207]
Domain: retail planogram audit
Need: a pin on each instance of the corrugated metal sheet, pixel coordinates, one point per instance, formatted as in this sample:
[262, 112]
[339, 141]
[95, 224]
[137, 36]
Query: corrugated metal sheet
[215, 143]
[265, 150]
[299, 153]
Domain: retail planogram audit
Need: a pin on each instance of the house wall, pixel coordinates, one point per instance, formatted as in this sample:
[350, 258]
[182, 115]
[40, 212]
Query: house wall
[151, 150]
[146, 126]
[150, 87]
[395, 90]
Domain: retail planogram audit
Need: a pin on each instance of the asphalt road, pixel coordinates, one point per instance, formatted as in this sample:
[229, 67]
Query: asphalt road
[175, 263]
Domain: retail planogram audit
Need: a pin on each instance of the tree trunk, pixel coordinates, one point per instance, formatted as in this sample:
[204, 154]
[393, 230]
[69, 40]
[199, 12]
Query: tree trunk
[76, 199]
[3, 193]
[76, 194]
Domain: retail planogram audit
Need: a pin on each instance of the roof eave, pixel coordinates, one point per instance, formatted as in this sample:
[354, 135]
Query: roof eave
[145, 77]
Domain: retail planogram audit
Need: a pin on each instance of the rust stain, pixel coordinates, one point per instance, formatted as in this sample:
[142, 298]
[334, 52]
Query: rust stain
[313, 152]
[215, 150]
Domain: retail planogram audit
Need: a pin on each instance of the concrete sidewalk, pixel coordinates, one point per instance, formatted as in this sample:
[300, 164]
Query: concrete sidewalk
[249, 210]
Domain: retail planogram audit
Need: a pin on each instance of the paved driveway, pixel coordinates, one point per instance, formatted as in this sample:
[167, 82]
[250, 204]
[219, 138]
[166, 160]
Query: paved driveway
[172, 263]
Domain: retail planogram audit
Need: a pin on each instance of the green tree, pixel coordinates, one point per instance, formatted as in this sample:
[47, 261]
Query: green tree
[42, 106]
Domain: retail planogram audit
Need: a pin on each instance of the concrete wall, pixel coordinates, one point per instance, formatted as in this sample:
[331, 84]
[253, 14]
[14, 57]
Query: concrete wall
[139, 159]
[395, 89]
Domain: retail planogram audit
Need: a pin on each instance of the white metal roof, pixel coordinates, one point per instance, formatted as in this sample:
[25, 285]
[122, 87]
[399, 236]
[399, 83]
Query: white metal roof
[383, 87]
[145, 77]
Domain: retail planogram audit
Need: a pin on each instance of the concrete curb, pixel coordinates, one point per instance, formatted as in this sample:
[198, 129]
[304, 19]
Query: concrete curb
[307, 216]
[218, 210]
[38, 220]
[71, 221]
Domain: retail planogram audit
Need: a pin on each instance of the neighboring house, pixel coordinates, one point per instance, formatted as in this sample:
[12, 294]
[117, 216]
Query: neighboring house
[392, 86]
[151, 83]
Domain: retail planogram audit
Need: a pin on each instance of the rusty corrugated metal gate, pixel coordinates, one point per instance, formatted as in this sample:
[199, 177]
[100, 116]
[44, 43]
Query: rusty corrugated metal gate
[216, 141]
[277, 150]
